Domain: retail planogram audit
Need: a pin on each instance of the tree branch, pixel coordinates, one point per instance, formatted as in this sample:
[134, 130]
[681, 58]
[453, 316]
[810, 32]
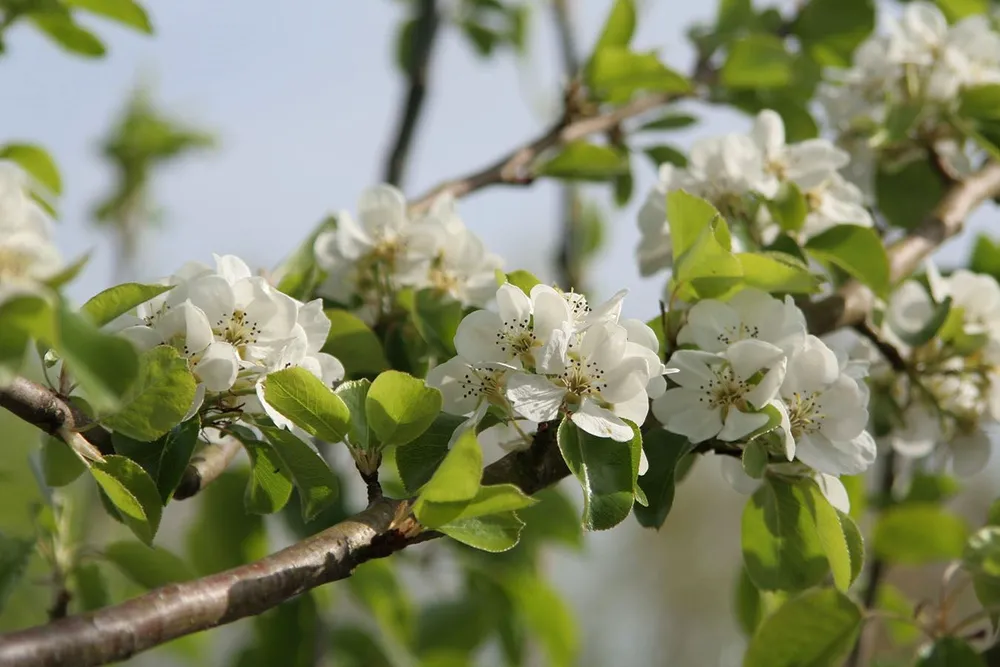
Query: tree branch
[422, 43]
[45, 409]
[852, 303]
[206, 466]
[120, 631]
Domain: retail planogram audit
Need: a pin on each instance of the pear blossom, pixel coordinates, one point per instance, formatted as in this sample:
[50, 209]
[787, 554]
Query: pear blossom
[714, 325]
[27, 254]
[784, 162]
[829, 485]
[721, 395]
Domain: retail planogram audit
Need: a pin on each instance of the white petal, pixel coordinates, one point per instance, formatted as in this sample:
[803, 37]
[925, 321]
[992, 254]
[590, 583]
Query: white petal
[190, 324]
[834, 491]
[315, 323]
[769, 132]
[740, 424]
[218, 366]
[634, 409]
[535, 397]
[552, 357]
[353, 240]
[143, 337]
[331, 370]
[382, 210]
[513, 304]
[476, 338]
[685, 412]
[231, 267]
[768, 386]
[609, 311]
[751, 355]
[692, 368]
[214, 295]
[786, 429]
[643, 462]
[603, 423]
[711, 326]
[199, 399]
[732, 471]
[459, 387]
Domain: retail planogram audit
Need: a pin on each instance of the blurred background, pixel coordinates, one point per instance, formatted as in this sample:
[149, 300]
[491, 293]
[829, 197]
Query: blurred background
[300, 103]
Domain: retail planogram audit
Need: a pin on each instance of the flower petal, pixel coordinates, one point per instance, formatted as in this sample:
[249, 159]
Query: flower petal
[683, 411]
[603, 423]
[535, 397]
[477, 337]
[218, 366]
[740, 424]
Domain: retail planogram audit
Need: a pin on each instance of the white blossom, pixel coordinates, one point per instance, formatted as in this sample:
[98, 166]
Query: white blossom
[27, 254]
[714, 325]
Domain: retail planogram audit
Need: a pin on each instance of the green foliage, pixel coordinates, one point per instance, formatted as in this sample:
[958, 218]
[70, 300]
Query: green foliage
[856, 250]
[789, 208]
[287, 635]
[616, 74]
[14, 556]
[376, 586]
[354, 394]
[132, 492]
[708, 269]
[663, 451]
[669, 121]
[223, 535]
[906, 195]
[436, 316]
[400, 407]
[60, 464]
[688, 216]
[90, 590]
[618, 27]
[125, 12]
[548, 616]
[950, 652]
[919, 533]
[354, 343]
[59, 26]
[792, 538]
[417, 461]
[164, 459]
[924, 334]
[37, 162]
[815, 629]
[24, 318]
[270, 484]
[298, 275]
[830, 30]
[493, 533]
[607, 471]
[308, 403]
[757, 61]
[456, 479]
[315, 482]
[159, 399]
[523, 280]
[150, 567]
[891, 599]
[118, 300]
[777, 272]
[985, 257]
[583, 161]
[104, 365]
[663, 153]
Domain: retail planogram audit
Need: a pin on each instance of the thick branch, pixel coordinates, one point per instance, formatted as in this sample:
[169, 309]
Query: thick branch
[422, 43]
[206, 466]
[120, 631]
[47, 410]
[852, 303]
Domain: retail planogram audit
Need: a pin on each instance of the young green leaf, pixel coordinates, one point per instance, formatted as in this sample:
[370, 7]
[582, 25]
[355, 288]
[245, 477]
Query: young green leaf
[488, 500]
[855, 545]
[354, 343]
[37, 162]
[663, 451]
[159, 399]
[907, 195]
[919, 533]
[118, 300]
[616, 74]
[126, 12]
[777, 272]
[856, 250]
[688, 216]
[815, 629]
[493, 533]
[547, 614]
[400, 407]
[176, 448]
[105, 365]
[830, 30]
[417, 461]
[455, 481]
[298, 274]
[60, 28]
[150, 567]
[24, 318]
[605, 471]
[90, 590]
[619, 26]
[663, 153]
[789, 208]
[315, 482]
[270, 485]
[132, 492]
[582, 161]
[308, 403]
[708, 269]
[353, 393]
[436, 316]
[60, 464]
[757, 61]
[524, 280]
[377, 587]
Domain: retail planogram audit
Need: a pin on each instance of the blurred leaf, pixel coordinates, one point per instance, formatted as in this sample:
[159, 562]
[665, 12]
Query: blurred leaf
[950, 652]
[126, 12]
[754, 459]
[14, 556]
[400, 407]
[982, 552]
[547, 615]
[985, 257]
[310, 473]
[118, 300]
[417, 461]
[579, 160]
[177, 446]
[616, 74]
[377, 587]
[524, 280]
[60, 28]
[663, 451]
[856, 250]
[789, 208]
[352, 646]
[24, 318]
[832, 29]
[493, 499]
[308, 403]
[493, 533]
[354, 344]
[757, 61]
[980, 102]
[68, 273]
[159, 399]
[286, 635]
[554, 518]
[815, 629]
[893, 600]
[688, 217]
[927, 488]
[133, 493]
[669, 121]
[907, 196]
[90, 590]
[436, 316]
[664, 153]
[777, 272]
[105, 365]
[36, 161]
[618, 27]
[149, 567]
[270, 484]
[222, 534]
[605, 471]
[930, 329]
[708, 269]
[298, 274]
[60, 464]
[919, 533]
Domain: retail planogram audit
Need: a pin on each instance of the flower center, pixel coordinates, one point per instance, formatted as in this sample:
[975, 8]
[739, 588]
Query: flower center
[483, 382]
[730, 335]
[13, 263]
[583, 379]
[805, 412]
[240, 330]
[516, 338]
[724, 390]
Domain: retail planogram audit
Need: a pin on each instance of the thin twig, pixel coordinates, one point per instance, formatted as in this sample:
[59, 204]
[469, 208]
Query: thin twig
[425, 30]
[45, 409]
[206, 466]
[885, 348]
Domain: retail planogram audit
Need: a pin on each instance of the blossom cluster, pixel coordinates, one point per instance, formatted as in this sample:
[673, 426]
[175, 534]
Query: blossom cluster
[234, 328]
[27, 254]
[734, 172]
[548, 354]
[368, 260]
[948, 404]
[748, 364]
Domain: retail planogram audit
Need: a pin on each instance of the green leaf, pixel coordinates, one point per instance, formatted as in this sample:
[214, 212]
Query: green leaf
[377, 587]
[60, 28]
[60, 464]
[308, 403]
[856, 250]
[354, 344]
[980, 102]
[315, 482]
[789, 208]
[670, 121]
[619, 26]
[177, 446]
[457, 478]
[547, 614]
[126, 12]
[24, 318]
[488, 500]
[616, 74]
[755, 459]
[792, 537]
[524, 280]
[907, 196]
[777, 272]
[688, 216]
[436, 316]
[830, 30]
[270, 485]
[132, 492]
[919, 533]
[552, 519]
[930, 329]
[417, 461]
[982, 552]
[890, 598]
[223, 534]
[605, 471]
[90, 591]
[105, 365]
[815, 629]
[354, 393]
[400, 407]
[582, 161]
[708, 269]
[928, 488]
[159, 399]
[68, 273]
[118, 300]
[950, 652]
[855, 545]
[493, 533]
[14, 556]
[985, 257]
[663, 153]
[757, 62]
[663, 451]
[150, 567]
[37, 162]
